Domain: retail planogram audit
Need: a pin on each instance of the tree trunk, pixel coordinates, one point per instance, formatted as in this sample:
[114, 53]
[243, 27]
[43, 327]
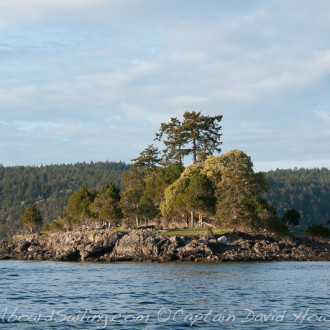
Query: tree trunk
[186, 219]
[194, 152]
[137, 220]
[200, 217]
[192, 218]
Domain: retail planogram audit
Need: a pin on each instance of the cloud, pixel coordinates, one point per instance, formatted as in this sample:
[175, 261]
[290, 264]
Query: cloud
[110, 71]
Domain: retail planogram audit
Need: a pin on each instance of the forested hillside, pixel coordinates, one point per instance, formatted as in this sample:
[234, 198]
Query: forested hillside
[306, 190]
[49, 187]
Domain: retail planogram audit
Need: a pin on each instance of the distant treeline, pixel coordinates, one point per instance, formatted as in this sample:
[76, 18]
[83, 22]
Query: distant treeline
[306, 190]
[49, 187]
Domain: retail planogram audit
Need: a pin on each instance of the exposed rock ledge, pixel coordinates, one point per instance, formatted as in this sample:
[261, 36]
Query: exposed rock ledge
[148, 245]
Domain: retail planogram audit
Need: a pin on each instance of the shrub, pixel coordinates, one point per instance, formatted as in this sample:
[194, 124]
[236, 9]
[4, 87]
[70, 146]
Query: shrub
[45, 228]
[276, 225]
[55, 225]
[317, 230]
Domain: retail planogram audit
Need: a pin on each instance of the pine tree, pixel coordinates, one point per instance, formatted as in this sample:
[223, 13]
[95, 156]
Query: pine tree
[198, 135]
[133, 184]
[238, 190]
[173, 138]
[148, 159]
[106, 204]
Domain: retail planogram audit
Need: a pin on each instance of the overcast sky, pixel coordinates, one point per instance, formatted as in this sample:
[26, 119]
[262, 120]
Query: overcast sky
[84, 80]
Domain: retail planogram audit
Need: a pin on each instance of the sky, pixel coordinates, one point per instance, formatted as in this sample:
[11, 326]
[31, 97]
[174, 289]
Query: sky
[92, 80]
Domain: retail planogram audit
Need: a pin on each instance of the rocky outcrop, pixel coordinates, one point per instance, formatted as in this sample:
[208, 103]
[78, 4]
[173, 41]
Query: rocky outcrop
[150, 245]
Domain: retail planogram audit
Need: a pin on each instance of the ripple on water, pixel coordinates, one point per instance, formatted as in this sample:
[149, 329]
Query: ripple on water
[184, 290]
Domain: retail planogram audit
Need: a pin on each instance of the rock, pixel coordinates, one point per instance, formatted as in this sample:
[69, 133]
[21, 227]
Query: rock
[150, 245]
[223, 239]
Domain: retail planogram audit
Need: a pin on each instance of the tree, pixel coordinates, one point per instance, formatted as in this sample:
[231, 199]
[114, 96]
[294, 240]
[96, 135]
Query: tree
[202, 134]
[317, 230]
[133, 187]
[238, 188]
[291, 218]
[159, 180]
[106, 204]
[199, 196]
[198, 135]
[192, 192]
[79, 202]
[174, 140]
[148, 159]
[31, 217]
[155, 184]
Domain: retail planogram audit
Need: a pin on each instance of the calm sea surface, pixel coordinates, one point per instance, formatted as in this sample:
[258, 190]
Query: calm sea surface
[54, 295]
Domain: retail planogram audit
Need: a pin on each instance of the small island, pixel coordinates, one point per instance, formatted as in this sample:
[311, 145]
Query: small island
[213, 210]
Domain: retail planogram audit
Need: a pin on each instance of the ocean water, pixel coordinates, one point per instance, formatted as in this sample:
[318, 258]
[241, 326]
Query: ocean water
[56, 295]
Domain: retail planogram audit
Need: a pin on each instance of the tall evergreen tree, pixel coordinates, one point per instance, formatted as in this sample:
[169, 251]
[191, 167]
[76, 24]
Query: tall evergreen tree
[133, 185]
[148, 159]
[106, 204]
[79, 203]
[238, 190]
[198, 135]
[174, 140]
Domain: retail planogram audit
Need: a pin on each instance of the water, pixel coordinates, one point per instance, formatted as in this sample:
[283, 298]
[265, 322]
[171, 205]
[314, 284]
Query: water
[54, 295]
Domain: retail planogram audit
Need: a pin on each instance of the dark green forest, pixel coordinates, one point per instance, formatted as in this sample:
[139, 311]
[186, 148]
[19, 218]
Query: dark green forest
[49, 187]
[306, 190]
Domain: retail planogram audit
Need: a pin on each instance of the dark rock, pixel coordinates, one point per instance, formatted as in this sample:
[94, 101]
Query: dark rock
[150, 245]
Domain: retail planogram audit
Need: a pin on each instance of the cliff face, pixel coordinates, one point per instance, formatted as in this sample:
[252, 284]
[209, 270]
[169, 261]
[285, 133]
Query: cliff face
[149, 245]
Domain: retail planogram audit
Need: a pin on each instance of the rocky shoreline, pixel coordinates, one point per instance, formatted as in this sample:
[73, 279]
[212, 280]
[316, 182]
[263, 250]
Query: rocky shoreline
[152, 246]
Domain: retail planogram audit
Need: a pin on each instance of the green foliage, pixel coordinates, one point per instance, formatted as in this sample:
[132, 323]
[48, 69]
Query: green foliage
[201, 135]
[208, 232]
[49, 187]
[159, 180]
[175, 201]
[79, 203]
[197, 231]
[317, 230]
[192, 192]
[147, 209]
[133, 186]
[45, 228]
[305, 190]
[238, 189]
[106, 204]
[291, 217]
[60, 224]
[197, 134]
[55, 225]
[275, 224]
[31, 217]
[148, 160]
[173, 138]
[200, 194]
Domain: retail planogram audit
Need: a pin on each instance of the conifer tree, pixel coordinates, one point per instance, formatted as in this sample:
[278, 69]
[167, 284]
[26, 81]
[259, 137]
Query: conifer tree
[133, 185]
[148, 159]
[31, 217]
[197, 135]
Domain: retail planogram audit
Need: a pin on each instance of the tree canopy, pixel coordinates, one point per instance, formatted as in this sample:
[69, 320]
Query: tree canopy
[31, 217]
[197, 135]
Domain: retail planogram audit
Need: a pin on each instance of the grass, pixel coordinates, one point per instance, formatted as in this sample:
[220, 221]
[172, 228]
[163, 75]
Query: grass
[196, 231]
